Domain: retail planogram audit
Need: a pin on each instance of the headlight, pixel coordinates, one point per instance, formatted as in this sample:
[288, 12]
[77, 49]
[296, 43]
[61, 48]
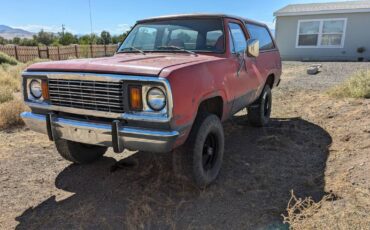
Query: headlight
[156, 99]
[35, 89]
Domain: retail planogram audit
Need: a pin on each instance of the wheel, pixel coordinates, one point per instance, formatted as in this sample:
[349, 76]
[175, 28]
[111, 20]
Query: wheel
[260, 111]
[199, 160]
[79, 153]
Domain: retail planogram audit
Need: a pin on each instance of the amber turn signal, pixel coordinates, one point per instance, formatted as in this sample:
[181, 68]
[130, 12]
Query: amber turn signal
[136, 102]
[45, 89]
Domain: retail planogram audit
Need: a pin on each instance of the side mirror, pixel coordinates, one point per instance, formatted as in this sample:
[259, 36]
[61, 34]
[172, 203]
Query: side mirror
[253, 48]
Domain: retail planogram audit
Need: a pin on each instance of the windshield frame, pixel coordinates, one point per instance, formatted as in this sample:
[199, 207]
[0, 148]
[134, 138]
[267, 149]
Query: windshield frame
[138, 23]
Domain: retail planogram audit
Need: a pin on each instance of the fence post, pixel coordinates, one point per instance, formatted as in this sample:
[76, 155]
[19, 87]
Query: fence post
[58, 53]
[105, 50]
[38, 50]
[16, 52]
[76, 50]
[91, 50]
[47, 52]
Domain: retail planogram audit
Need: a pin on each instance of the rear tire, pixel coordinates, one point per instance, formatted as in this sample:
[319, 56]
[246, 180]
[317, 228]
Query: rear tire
[260, 111]
[199, 160]
[79, 153]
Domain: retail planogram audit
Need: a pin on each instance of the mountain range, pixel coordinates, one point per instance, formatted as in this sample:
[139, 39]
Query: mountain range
[8, 32]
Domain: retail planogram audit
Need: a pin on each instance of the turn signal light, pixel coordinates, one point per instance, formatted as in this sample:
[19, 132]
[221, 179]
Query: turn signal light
[136, 102]
[45, 89]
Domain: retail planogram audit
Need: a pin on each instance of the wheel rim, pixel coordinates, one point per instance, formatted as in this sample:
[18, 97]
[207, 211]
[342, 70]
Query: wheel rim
[210, 150]
[266, 106]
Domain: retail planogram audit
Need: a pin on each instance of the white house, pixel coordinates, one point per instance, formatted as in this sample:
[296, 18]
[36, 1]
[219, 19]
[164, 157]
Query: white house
[324, 31]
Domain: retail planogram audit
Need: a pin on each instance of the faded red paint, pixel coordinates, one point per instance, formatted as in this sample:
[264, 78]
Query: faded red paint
[193, 79]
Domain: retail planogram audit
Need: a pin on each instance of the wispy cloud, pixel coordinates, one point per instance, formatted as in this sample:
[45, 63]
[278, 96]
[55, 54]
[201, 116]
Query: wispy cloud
[271, 25]
[36, 28]
[121, 28]
[118, 29]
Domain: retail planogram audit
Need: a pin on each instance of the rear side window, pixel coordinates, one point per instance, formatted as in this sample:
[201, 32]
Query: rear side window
[262, 34]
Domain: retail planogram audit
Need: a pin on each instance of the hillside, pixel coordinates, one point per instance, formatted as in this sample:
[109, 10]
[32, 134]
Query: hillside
[8, 32]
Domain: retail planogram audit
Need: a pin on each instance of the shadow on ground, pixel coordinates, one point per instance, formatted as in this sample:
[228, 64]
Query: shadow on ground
[260, 167]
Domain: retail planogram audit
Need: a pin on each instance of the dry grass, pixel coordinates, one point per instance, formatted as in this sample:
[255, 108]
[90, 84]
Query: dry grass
[6, 94]
[6, 59]
[10, 84]
[358, 86]
[299, 210]
[10, 76]
[329, 213]
[9, 114]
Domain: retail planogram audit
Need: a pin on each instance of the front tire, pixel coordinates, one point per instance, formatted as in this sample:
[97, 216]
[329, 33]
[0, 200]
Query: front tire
[199, 160]
[79, 153]
[260, 111]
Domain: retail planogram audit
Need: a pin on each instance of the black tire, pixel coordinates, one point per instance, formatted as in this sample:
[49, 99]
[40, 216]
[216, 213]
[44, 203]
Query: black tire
[260, 111]
[79, 153]
[199, 160]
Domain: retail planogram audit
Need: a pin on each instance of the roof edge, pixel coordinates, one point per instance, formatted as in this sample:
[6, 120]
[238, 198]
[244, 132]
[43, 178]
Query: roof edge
[302, 13]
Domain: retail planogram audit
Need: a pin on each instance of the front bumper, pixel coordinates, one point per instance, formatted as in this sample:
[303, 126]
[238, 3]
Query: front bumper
[104, 134]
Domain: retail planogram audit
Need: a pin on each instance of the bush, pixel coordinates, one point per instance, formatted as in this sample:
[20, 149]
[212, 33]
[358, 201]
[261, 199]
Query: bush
[6, 59]
[6, 94]
[358, 86]
[10, 76]
[10, 114]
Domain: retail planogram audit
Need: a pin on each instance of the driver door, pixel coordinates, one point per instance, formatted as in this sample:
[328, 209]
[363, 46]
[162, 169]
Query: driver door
[242, 87]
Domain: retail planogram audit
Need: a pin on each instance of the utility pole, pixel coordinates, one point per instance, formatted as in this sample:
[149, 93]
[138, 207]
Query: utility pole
[63, 29]
[91, 24]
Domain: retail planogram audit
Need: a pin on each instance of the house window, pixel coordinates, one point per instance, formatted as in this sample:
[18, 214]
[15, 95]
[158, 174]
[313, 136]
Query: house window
[323, 33]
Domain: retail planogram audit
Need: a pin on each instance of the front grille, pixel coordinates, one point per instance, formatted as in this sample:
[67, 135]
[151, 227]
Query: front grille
[92, 95]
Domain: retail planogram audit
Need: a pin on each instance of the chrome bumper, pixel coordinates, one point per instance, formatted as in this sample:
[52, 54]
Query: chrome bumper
[101, 133]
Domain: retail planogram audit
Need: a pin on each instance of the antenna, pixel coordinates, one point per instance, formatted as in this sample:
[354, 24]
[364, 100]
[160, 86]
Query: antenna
[91, 25]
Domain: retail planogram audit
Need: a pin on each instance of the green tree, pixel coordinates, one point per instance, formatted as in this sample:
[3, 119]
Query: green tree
[84, 40]
[119, 38]
[67, 39]
[28, 42]
[16, 40]
[44, 38]
[3, 41]
[106, 37]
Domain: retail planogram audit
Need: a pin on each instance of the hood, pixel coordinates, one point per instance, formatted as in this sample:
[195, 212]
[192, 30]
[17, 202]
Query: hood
[129, 63]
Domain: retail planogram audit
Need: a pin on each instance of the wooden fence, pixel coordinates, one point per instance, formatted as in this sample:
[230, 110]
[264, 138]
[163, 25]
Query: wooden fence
[29, 53]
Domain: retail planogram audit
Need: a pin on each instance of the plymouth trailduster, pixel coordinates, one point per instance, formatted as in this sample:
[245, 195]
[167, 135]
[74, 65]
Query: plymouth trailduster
[168, 88]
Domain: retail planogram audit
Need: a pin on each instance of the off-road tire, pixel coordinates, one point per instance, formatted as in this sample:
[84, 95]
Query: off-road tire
[79, 153]
[190, 162]
[260, 111]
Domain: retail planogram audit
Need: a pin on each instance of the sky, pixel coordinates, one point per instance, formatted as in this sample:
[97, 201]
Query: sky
[116, 16]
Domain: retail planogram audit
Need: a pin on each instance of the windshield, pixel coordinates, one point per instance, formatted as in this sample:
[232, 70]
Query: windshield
[176, 35]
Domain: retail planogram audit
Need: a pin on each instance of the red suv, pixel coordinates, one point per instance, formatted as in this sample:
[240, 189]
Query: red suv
[169, 86]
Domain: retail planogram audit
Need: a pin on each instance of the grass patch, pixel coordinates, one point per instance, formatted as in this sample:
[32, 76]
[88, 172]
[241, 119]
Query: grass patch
[10, 77]
[358, 86]
[6, 59]
[10, 114]
[6, 94]
[10, 84]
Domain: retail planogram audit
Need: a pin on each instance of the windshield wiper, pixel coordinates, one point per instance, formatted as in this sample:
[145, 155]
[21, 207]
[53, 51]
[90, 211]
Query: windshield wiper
[177, 48]
[132, 48]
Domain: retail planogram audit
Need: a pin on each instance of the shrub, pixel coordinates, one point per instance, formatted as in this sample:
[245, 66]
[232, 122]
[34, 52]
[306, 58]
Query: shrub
[358, 86]
[4, 58]
[6, 94]
[10, 76]
[10, 114]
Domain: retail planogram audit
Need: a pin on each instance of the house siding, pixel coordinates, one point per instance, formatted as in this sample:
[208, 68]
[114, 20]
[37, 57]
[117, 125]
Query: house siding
[357, 35]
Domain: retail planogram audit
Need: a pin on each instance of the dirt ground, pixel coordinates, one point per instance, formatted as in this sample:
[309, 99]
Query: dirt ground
[314, 145]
